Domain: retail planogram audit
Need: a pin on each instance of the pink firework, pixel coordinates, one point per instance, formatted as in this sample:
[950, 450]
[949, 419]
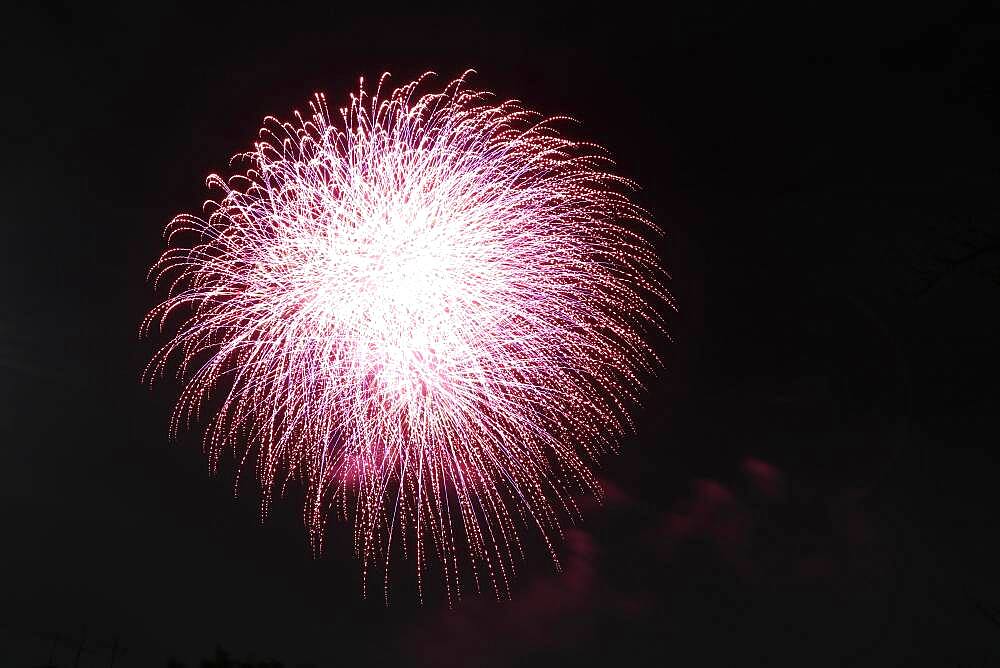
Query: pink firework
[434, 313]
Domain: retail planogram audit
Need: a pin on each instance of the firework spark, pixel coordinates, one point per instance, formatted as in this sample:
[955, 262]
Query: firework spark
[433, 313]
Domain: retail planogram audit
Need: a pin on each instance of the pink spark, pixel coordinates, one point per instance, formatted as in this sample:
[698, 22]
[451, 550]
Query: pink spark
[434, 313]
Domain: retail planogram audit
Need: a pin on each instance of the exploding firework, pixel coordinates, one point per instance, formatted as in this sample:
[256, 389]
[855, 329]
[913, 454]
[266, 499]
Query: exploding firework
[433, 313]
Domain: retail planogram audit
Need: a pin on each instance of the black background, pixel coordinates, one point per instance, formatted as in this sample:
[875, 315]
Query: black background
[812, 482]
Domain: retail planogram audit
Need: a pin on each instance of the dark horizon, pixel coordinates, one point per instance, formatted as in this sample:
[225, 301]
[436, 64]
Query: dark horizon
[811, 478]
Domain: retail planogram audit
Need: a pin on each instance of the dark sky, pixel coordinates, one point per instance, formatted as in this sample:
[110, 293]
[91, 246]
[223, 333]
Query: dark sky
[812, 481]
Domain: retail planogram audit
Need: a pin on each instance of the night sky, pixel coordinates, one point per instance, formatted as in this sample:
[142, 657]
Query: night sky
[813, 479]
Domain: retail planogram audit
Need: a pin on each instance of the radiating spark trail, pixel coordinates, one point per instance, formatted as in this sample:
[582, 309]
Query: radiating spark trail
[435, 313]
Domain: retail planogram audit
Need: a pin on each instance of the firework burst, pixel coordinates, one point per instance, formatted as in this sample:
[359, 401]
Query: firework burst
[433, 313]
